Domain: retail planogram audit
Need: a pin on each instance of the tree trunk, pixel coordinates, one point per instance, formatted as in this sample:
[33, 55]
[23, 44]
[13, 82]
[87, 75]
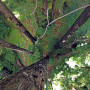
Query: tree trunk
[52, 11]
[10, 15]
[13, 47]
[29, 78]
[44, 7]
[85, 15]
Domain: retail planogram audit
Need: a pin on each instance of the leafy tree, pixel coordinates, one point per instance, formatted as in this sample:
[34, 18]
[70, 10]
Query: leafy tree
[44, 46]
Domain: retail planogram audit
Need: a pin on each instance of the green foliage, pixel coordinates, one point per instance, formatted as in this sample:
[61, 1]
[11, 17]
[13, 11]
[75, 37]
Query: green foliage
[35, 57]
[4, 28]
[10, 56]
[69, 77]
[16, 38]
[76, 77]
[8, 60]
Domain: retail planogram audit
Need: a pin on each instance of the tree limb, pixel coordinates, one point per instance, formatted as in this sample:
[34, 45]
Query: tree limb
[13, 47]
[85, 15]
[44, 7]
[52, 11]
[34, 9]
[68, 14]
[64, 55]
[59, 18]
[7, 12]
[77, 40]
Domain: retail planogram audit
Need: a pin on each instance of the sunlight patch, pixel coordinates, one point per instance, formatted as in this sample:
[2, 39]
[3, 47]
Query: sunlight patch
[17, 15]
[56, 86]
[71, 63]
[87, 60]
[3, 0]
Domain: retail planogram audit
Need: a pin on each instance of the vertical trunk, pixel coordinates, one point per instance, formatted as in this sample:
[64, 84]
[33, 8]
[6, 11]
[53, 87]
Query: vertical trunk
[10, 15]
[52, 11]
[30, 78]
[85, 15]
[44, 7]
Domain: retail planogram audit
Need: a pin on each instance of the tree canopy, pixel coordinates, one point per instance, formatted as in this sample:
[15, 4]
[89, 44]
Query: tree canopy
[32, 30]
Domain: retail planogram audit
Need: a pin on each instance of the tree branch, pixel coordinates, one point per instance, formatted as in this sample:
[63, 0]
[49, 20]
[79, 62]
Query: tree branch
[77, 24]
[34, 9]
[52, 11]
[10, 15]
[68, 14]
[14, 47]
[44, 7]
[64, 55]
[58, 19]
[87, 67]
[77, 40]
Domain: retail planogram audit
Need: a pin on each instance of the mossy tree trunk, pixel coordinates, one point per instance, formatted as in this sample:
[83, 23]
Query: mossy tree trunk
[29, 78]
[7, 13]
[34, 76]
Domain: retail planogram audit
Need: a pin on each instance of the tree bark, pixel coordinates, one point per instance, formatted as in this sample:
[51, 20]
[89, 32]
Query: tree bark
[6, 12]
[44, 7]
[52, 11]
[34, 76]
[85, 15]
[13, 47]
[37, 20]
[29, 78]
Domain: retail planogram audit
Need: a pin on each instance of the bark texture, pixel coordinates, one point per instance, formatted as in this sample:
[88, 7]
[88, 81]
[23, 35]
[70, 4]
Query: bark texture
[13, 47]
[85, 15]
[29, 78]
[7, 12]
[52, 11]
[34, 76]
[37, 20]
[44, 7]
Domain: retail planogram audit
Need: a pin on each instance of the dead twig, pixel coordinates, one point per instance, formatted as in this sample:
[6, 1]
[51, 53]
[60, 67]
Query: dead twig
[34, 9]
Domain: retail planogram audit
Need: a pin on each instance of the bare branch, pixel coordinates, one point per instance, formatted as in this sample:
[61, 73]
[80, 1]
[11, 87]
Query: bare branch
[46, 26]
[13, 47]
[64, 55]
[45, 30]
[34, 9]
[47, 16]
[77, 40]
[68, 14]
[58, 19]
